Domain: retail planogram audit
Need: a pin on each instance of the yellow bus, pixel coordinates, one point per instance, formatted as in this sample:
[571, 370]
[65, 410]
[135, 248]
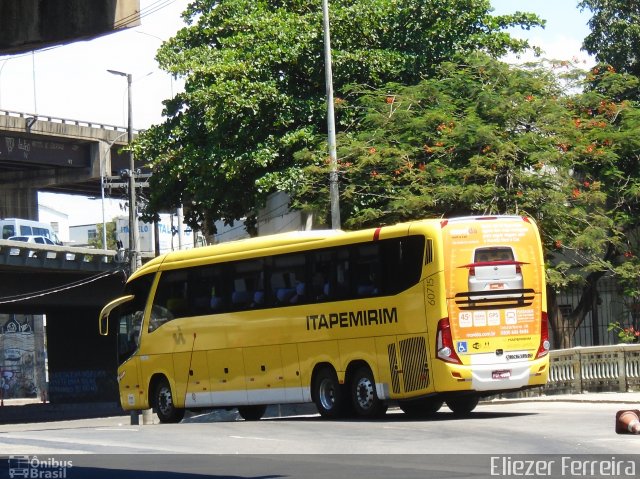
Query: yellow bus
[417, 314]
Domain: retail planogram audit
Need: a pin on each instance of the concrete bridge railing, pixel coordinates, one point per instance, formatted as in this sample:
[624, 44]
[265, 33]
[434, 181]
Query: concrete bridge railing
[594, 369]
[64, 121]
[19, 254]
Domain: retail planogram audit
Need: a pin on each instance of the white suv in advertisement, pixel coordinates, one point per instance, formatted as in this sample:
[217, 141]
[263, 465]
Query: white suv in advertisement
[494, 268]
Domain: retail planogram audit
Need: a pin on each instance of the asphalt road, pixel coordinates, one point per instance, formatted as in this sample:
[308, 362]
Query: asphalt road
[220, 445]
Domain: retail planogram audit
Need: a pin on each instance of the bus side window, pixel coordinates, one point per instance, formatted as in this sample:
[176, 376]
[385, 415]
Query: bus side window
[288, 280]
[219, 288]
[401, 262]
[340, 281]
[321, 272]
[248, 285]
[367, 281]
[217, 302]
[206, 290]
[366, 278]
[318, 283]
[281, 288]
[241, 297]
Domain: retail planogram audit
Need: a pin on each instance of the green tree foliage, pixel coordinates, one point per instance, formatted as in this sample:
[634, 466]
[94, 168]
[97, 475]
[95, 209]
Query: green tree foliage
[112, 236]
[615, 33]
[255, 91]
[481, 137]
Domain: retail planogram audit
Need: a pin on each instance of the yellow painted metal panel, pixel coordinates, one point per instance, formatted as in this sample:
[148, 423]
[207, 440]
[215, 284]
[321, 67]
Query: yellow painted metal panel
[227, 372]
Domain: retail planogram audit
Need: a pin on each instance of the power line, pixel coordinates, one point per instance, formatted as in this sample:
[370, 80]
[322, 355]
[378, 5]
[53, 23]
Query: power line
[145, 12]
[58, 289]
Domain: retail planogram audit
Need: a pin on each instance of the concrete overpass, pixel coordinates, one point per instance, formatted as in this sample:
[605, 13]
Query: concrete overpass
[40, 153]
[68, 285]
[31, 24]
[44, 153]
[38, 279]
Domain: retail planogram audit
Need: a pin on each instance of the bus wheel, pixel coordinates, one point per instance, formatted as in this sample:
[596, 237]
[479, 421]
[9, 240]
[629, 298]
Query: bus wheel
[364, 396]
[463, 405]
[251, 413]
[163, 401]
[328, 394]
[421, 409]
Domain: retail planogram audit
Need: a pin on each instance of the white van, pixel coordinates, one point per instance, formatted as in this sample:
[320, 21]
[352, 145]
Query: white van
[20, 227]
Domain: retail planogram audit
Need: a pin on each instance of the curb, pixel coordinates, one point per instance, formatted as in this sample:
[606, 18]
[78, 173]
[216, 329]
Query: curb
[592, 399]
[38, 412]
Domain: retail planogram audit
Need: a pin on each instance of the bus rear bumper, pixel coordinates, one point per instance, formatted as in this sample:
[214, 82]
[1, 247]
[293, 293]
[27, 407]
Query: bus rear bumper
[492, 377]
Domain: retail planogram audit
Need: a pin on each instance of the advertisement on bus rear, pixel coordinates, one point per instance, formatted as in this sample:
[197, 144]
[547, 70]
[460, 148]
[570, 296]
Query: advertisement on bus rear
[494, 277]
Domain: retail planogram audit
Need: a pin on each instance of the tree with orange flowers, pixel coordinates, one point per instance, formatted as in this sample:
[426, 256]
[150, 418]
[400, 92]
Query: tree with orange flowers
[483, 137]
[255, 87]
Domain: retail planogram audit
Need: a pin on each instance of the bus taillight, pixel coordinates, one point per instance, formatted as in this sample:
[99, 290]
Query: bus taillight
[444, 343]
[545, 345]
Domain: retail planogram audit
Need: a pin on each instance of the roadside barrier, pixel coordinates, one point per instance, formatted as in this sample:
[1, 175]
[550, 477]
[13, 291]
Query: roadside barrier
[594, 369]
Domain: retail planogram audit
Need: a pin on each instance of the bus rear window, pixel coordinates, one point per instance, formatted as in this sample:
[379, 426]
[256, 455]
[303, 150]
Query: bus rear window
[496, 253]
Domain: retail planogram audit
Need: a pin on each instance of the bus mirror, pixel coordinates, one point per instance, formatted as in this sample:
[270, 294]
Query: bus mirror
[103, 321]
[104, 324]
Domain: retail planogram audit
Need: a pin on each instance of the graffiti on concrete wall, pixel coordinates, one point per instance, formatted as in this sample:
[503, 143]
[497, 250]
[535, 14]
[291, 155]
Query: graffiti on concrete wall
[81, 385]
[18, 375]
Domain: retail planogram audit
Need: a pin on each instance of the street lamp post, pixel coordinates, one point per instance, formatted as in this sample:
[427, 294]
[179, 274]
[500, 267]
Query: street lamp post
[134, 257]
[331, 127]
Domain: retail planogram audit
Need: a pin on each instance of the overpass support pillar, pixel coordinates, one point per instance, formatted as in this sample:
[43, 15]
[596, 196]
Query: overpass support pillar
[82, 364]
[19, 203]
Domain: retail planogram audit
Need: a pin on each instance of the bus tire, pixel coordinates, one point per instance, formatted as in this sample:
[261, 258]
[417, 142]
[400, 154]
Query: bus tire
[421, 409]
[252, 413]
[463, 405]
[163, 403]
[328, 394]
[364, 396]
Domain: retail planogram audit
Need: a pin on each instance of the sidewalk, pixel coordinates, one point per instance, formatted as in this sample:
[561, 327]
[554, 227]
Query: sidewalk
[632, 398]
[17, 411]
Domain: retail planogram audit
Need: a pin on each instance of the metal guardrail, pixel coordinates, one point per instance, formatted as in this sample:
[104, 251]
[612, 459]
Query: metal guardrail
[594, 369]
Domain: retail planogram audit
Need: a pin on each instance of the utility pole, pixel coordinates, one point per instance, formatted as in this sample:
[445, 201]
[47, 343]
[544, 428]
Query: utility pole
[134, 257]
[334, 192]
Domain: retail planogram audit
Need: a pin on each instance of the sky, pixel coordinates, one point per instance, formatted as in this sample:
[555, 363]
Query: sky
[72, 81]
[566, 27]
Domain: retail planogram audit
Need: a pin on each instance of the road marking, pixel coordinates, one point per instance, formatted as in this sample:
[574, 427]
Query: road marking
[116, 429]
[254, 438]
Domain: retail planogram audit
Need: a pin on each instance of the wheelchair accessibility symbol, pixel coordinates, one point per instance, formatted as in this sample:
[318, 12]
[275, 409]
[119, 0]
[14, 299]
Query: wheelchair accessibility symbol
[462, 347]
